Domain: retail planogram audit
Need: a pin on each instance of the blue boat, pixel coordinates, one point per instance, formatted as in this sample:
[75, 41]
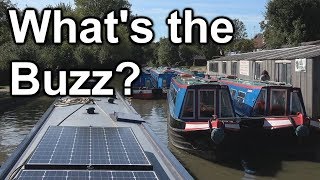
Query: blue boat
[275, 111]
[161, 78]
[197, 106]
[143, 88]
[203, 118]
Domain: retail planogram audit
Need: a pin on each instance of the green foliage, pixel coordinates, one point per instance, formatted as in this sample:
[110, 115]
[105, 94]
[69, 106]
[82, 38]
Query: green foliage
[168, 53]
[99, 8]
[4, 25]
[209, 50]
[186, 54]
[239, 30]
[240, 42]
[289, 22]
[244, 45]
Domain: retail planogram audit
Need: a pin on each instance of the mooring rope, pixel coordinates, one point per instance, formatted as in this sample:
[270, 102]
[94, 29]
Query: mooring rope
[73, 101]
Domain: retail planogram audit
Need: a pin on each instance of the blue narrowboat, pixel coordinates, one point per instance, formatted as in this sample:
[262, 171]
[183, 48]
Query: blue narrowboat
[196, 106]
[203, 117]
[161, 78]
[142, 87]
[280, 109]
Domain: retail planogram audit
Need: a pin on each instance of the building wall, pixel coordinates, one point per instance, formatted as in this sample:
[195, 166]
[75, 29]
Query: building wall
[316, 88]
[310, 87]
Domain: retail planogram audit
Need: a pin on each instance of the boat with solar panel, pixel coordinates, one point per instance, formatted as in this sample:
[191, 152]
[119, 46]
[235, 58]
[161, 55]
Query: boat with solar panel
[201, 116]
[92, 138]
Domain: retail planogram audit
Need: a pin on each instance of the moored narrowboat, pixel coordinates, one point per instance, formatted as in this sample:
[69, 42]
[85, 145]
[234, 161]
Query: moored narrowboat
[193, 102]
[279, 107]
[142, 87]
[161, 79]
[203, 118]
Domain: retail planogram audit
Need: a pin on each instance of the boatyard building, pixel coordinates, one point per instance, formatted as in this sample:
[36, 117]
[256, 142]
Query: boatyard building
[298, 66]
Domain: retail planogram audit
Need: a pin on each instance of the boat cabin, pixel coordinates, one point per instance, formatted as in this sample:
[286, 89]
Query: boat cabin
[144, 81]
[261, 99]
[198, 99]
[161, 77]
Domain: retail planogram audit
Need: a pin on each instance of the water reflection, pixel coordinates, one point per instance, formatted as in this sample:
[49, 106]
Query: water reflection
[155, 114]
[15, 124]
[271, 167]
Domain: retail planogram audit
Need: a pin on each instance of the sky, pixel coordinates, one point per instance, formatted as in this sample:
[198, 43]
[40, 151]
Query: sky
[251, 12]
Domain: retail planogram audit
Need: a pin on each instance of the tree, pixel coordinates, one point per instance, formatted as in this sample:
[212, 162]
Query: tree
[239, 30]
[168, 53]
[290, 22]
[186, 54]
[244, 45]
[150, 53]
[99, 8]
[4, 25]
[209, 50]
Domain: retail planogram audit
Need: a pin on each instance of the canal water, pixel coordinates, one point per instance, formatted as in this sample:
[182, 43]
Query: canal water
[17, 122]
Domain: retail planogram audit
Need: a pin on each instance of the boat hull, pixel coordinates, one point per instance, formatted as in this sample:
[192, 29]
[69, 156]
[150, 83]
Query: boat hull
[148, 94]
[243, 144]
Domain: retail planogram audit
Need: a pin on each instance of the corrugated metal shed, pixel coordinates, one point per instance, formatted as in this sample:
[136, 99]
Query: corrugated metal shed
[309, 51]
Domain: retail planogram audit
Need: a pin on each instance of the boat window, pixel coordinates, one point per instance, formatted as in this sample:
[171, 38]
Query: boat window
[260, 105]
[206, 103]
[278, 102]
[233, 93]
[226, 106]
[188, 109]
[296, 104]
[240, 98]
[164, 83]
[148, 83]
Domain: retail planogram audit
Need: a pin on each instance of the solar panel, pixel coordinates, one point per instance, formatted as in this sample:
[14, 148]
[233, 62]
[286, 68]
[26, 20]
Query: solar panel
[89, 147]
[83, 174]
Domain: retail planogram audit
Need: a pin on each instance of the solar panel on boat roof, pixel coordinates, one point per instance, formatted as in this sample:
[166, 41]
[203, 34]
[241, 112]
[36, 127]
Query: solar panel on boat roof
[82, 174]
[94, 146]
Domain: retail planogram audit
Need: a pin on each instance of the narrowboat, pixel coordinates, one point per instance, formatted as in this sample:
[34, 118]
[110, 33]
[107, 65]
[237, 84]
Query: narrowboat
[92, 138]
[280, 109]
[161, 77]
[142, 87]
[196, 106]
[203, 118]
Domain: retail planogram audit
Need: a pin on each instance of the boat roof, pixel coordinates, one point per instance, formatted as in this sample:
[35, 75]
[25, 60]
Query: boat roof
[118, 114]
[195, 81]
[162, 70]
[257, 84]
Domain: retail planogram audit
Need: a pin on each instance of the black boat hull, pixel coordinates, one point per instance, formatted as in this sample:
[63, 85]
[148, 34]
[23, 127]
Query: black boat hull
[241, 144]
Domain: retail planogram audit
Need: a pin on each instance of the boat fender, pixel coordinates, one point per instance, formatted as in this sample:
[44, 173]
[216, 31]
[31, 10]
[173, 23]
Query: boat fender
[90, 110]
[302, 131]
[217, 135]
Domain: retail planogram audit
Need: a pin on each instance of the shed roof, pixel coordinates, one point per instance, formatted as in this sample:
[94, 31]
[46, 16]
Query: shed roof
[299, 52]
